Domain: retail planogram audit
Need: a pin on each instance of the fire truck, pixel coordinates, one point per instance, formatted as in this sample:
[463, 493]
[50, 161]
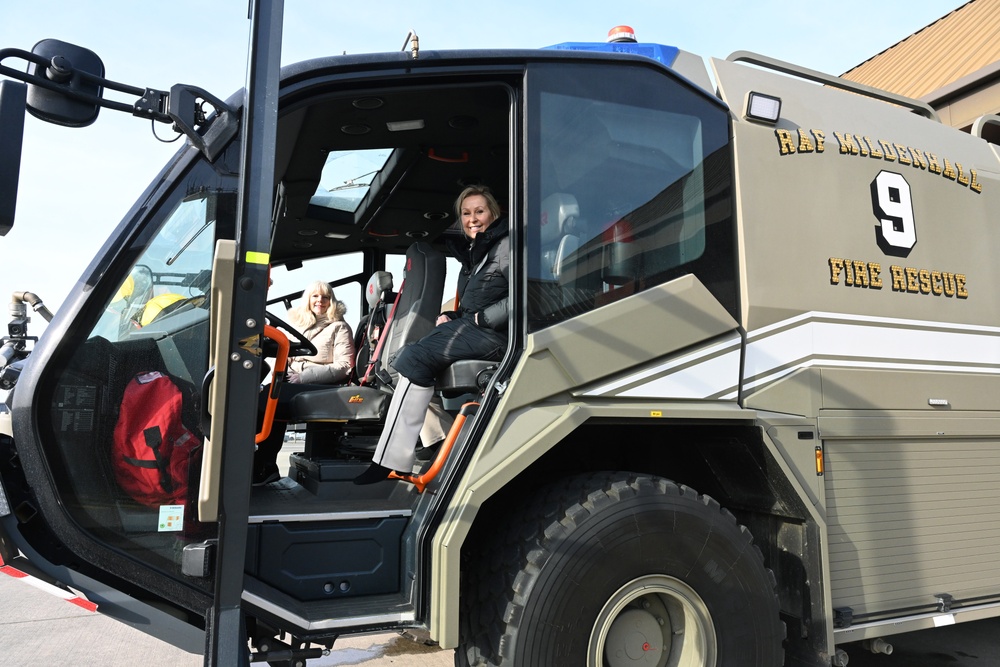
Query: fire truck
[749, 411]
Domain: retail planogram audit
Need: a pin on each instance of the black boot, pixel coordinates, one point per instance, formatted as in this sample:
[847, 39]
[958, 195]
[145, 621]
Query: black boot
[266, 473]
[375, 473]
[265, 458]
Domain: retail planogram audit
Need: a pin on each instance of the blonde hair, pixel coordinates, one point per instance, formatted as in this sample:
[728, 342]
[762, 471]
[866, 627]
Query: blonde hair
[303, 316]
[485, 193]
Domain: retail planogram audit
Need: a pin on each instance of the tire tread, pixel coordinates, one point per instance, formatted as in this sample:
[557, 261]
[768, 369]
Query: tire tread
[517, 553]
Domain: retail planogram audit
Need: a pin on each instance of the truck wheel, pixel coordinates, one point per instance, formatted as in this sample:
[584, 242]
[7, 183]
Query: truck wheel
[616, 569]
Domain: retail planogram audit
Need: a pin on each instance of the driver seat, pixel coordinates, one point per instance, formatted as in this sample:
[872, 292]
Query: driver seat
[413, 316]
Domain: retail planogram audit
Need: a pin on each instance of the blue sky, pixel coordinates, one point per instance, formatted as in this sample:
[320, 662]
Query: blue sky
[76, 185]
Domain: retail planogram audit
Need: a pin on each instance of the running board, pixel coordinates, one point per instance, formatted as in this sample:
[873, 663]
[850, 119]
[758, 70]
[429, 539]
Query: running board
[894, 626]
[335, 616]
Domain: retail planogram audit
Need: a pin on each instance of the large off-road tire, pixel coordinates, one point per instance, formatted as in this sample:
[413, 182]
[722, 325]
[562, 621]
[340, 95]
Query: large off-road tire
[614, 569]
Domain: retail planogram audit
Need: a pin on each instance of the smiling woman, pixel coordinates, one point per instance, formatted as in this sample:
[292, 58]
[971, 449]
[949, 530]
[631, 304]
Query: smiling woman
[320, 319]
[476, 330]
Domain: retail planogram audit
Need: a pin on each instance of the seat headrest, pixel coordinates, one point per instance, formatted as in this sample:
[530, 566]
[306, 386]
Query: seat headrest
[559, 212]
[378, 284]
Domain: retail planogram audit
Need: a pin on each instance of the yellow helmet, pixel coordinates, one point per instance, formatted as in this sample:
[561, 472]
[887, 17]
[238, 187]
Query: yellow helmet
[126, 290]
[156, 305]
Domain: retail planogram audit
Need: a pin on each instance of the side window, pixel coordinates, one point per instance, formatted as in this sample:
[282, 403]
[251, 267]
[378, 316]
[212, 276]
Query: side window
[629, 187]
[344, 273]
[151, 328]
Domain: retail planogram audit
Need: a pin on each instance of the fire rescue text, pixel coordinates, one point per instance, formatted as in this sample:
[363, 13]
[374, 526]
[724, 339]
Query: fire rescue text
[858, 273]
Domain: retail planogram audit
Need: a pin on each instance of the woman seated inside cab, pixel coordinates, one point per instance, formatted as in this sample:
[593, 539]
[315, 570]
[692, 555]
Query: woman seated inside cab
[320, 318]
[477, 330]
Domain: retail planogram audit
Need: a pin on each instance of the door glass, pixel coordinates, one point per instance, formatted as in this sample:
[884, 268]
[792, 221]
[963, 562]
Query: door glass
[125, 446]
[631, 188]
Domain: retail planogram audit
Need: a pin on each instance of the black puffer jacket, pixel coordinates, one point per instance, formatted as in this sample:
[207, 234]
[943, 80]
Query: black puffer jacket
[484, 285]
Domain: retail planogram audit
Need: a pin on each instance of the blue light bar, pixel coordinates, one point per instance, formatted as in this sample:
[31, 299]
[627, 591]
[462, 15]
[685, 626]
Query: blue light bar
[664, 54]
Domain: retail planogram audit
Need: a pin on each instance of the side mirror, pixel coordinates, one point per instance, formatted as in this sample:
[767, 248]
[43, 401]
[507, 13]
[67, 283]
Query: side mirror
[74, 74]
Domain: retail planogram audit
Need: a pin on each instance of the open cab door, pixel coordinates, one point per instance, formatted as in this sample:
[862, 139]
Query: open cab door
[99, 491]
[77, 508]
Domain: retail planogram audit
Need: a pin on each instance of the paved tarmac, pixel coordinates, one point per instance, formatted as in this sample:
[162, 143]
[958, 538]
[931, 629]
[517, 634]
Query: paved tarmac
[37, 628]
[40, 629]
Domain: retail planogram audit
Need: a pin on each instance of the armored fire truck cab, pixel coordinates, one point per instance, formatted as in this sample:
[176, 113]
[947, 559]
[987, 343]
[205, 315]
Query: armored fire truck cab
[748, 413]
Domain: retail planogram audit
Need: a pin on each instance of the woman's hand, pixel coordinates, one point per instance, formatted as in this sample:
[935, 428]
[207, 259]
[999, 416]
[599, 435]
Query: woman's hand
[442, 319]
[292, 376]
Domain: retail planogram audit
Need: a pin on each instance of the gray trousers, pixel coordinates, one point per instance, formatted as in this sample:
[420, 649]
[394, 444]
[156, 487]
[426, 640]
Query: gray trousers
[407, 411]
[411, 411]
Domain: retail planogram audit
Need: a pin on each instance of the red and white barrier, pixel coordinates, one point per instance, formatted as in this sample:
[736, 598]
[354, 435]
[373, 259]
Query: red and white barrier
[69, 596]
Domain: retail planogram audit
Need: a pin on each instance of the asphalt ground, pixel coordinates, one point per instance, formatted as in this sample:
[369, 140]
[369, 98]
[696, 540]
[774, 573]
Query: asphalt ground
[37, 628]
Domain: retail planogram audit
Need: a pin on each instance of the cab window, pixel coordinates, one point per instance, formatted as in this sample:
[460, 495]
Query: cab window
[631, 188]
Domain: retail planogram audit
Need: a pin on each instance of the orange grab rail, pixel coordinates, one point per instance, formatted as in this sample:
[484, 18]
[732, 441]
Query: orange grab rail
[277, 378]
[421, 481]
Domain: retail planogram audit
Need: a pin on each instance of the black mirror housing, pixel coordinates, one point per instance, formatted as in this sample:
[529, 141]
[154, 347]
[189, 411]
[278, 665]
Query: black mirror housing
[76, 73]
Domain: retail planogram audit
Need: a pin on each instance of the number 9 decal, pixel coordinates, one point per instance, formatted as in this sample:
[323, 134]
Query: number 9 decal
[895, 234]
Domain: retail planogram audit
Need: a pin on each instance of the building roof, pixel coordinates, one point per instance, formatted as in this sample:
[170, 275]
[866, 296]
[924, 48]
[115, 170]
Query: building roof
[955, 46]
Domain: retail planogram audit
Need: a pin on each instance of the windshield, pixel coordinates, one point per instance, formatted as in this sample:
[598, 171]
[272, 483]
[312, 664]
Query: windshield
[172, 275]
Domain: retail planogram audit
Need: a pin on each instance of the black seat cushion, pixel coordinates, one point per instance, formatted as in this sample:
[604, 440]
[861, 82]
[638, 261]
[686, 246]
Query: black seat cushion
[348, 403]
[468, 376]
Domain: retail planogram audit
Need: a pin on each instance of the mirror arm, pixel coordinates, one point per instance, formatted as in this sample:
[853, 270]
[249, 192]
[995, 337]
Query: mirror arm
[208, 136]
[150, 104]
[180, 106]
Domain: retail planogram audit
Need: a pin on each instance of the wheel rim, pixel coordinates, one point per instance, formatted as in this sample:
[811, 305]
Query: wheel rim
[657, 621]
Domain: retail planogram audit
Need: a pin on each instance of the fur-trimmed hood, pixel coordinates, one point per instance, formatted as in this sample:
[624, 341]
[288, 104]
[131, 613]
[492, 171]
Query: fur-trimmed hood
[304, 319]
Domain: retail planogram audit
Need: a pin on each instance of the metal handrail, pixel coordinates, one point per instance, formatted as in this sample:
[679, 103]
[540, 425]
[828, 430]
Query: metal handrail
[916, 106]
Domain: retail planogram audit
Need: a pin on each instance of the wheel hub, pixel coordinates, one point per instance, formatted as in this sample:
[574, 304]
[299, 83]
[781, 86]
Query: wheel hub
[656, 620]
[635, 638]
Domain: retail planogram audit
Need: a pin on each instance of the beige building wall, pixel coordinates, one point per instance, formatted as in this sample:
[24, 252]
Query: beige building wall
[953, 64]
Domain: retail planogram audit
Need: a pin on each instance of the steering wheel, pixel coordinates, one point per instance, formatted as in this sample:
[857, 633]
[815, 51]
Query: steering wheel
[299, 345]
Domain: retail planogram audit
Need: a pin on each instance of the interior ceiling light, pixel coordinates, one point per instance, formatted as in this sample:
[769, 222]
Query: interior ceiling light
[436, 215]
[337, 235]
[404, 125]
[308, 232]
